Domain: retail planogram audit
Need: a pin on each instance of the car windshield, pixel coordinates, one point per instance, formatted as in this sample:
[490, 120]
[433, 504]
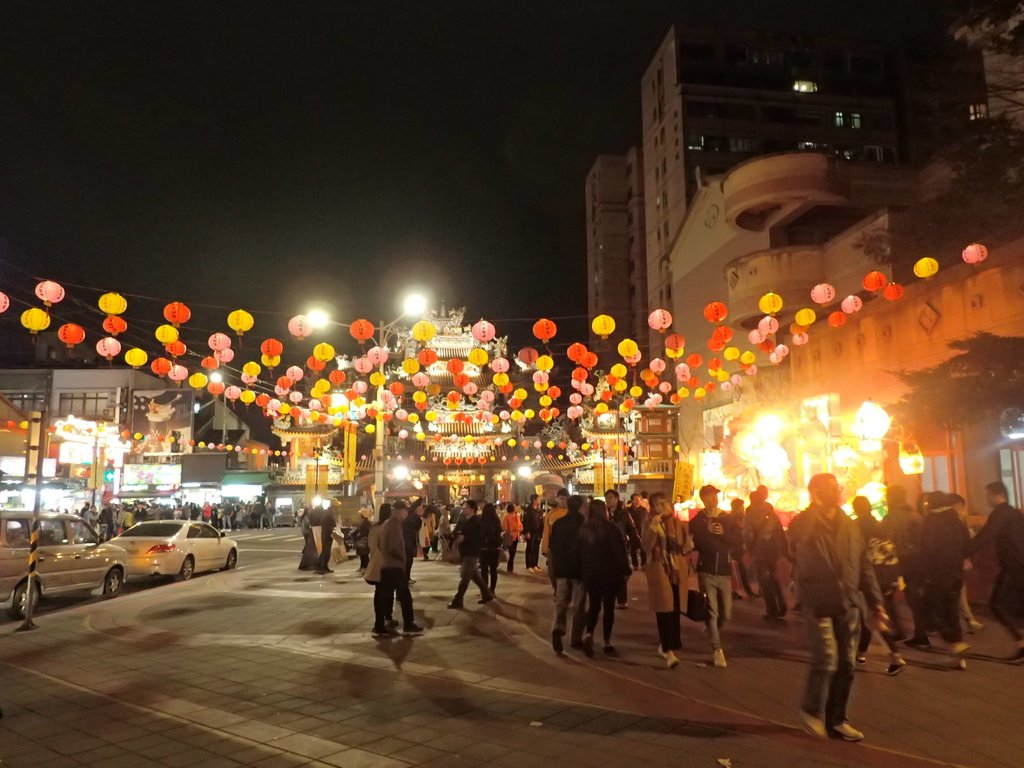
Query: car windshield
[152, 530]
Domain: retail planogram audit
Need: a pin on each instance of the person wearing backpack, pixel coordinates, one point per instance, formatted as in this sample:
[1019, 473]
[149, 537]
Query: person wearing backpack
[1005, 529]
[885, 564]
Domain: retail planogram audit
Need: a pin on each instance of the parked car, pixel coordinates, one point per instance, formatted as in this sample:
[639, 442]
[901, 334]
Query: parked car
[178, 548]
[284, 518]
[71, 559]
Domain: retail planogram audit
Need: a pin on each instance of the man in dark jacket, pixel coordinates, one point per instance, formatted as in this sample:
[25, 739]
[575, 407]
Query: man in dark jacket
[411, 533]
[393, 583]
[567, 567]
[328, 522]
[902, 526]
[533, 527]
[944, 540]
[1005, 529]
[468, 534]
[716, 535]
[630, 536]
[766, 542]
[833, 576]
[605, 567]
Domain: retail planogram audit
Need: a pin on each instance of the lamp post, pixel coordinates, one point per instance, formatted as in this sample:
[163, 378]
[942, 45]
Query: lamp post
[414, 304]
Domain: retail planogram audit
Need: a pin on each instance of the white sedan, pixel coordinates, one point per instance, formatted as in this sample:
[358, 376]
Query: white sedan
[176, 548]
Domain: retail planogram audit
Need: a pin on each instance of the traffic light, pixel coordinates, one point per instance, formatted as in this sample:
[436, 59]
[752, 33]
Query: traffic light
[108, 476]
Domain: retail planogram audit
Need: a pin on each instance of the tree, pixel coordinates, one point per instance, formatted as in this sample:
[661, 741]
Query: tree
[999, 23]
[985, 378]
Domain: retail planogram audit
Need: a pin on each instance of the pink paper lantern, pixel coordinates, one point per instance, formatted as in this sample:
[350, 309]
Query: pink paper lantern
[660, 319]
[5, 302]
[499, 365]
[108, 347]
[50, 292]
[402, 415]
[225, 355]
[483, 331]
[295, 397]
[823, 293]
[294, 373]
[782, 350]
[768, 325]
[799, 339]
[657, 365]
[975, 253]
[219, 341]
[756, 336]
[634, 359]
[665, 387]
[274, 404]
[281, 391]
[377, 356]
[177, 373]
[247, 379]
[540, 377]
[360, 387]
[575, 398]
[420, 380]
[528, 355]
[470, 389]
[362, 364]
[299, 327]
[232, 393]
[683, 372]
[851, 304]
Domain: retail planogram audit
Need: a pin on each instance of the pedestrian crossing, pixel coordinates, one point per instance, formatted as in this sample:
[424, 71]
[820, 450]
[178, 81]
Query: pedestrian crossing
[264, 535]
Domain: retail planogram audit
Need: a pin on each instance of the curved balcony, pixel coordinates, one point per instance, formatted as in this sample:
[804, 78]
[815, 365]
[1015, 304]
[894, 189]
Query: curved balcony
[757, 190]
[790, 272]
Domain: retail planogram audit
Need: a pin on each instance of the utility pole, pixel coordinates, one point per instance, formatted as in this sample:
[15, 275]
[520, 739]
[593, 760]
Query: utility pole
[35, 456]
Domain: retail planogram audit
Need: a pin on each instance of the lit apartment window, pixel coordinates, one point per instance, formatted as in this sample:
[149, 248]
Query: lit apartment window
[978, 111]
[809, 145]
[839, 120]
[695, 143]
[855, 120]
[805, 86]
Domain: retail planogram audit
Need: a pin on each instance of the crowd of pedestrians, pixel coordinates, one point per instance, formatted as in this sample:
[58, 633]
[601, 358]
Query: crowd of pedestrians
[845, 571]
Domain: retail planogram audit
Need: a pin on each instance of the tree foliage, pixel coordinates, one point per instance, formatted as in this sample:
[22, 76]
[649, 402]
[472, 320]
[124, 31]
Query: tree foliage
[1001, 22]
[985, 377]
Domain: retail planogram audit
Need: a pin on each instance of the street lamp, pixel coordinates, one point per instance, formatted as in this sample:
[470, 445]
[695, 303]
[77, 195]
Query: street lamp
[317, 318]
[414, 305]
[525, 472]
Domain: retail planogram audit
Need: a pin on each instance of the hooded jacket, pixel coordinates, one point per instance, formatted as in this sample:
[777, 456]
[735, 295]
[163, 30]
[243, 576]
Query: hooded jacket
[715, 549]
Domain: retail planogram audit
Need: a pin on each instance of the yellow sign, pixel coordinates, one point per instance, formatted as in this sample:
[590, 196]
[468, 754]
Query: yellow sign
[682, 484]
[350, 453]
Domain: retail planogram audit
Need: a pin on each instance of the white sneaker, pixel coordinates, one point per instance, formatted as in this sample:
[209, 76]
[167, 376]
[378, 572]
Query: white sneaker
[847, 732]
[671, 660]
[662, 653]
[813, 725]
[718, 659]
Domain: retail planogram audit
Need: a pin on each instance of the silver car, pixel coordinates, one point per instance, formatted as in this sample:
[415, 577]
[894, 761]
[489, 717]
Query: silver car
[176, 548]
[71, 559]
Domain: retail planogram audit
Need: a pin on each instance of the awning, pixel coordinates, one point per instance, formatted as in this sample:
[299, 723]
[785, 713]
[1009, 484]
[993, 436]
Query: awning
[246, 478]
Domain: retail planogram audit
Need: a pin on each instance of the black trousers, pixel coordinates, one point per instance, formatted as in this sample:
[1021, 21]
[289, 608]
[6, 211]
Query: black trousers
[409, 559]
[914, 594]
[668, 625]
[1007, 602]
[364, 560]
[942, 604]
[489, 559]
[393, 584]
[533, 551]
[601, 597]
[771, 589]
[623, 593]
[324, 560]
[512, 555]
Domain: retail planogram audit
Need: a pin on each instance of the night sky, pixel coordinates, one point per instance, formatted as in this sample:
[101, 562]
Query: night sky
[266, 155]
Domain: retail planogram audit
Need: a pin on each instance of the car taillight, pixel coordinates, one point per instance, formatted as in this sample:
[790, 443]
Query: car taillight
[158, 549]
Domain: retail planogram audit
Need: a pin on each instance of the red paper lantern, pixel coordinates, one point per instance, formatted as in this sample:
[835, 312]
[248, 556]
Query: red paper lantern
[176, 348]
[361, 330]
[114, 325]
[210, 363]
[576, 351]
[215, 388]
[272, 348]
[427, 357]
[177, 313]
[675, 342]
[874, 281]
[715, 312]
[337, 378]
[161, 366]
[545, 330]
[315, 365]
[837, 319]
[71, 334]
[892, 292]
[262, 399]
[694, 360]
[589, 360]
[455, 365]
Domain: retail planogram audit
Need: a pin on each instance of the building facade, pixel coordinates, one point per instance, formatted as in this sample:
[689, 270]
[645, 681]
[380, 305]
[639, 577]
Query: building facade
[616, 255]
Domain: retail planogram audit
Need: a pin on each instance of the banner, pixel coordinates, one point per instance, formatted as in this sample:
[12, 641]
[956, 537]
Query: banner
[350, 452]
[164, 419]
[682, 484]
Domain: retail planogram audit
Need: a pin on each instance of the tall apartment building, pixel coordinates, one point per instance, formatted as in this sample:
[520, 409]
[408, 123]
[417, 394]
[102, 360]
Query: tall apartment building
[616, 256]
[713, 99]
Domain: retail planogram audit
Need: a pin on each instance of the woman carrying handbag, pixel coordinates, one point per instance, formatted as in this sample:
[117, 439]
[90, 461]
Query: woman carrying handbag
[665, 543]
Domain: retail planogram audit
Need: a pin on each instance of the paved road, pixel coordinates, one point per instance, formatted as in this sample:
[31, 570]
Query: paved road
[267, 666]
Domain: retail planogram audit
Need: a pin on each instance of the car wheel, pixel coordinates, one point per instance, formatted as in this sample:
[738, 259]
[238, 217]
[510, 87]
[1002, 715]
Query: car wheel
[232, 561]
[113, 582]
[188, 568]
[20, 603]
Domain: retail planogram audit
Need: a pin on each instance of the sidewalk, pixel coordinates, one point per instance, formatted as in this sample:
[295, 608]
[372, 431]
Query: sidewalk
[267, 666]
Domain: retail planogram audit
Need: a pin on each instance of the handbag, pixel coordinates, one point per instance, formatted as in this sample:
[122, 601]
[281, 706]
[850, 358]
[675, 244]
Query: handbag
[372, 573]
[697, 607]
